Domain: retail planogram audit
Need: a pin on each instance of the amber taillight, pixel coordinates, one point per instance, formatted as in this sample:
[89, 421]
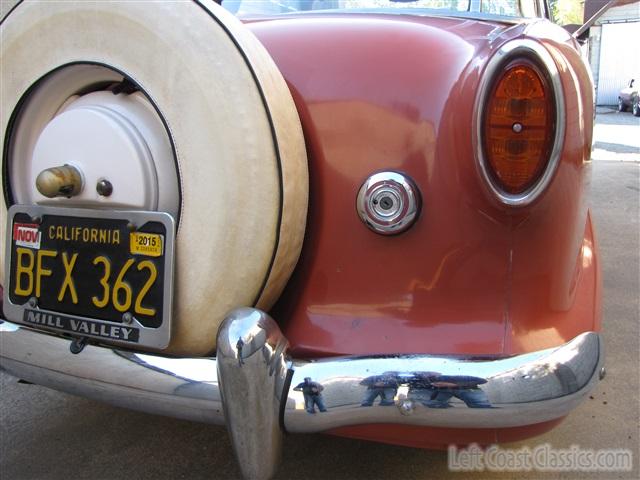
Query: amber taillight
[518, 126]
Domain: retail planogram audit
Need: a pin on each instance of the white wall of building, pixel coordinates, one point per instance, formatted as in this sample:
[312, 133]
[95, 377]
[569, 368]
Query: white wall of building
[619, 60]
[614, 51]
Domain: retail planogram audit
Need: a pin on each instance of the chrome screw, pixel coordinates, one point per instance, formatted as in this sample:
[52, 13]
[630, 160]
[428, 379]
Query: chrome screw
[33, 302]
[517, 127]
[127, 318]
[603, 373]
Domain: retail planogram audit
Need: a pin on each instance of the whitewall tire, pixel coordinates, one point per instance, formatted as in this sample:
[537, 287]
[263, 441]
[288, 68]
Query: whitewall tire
[231, 167]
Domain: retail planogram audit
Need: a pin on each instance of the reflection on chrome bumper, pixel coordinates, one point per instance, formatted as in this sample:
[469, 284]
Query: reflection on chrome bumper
[256, 389]
[447, 392]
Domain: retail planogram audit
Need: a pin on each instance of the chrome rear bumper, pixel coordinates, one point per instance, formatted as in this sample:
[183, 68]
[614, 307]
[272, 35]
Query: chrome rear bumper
[254, 388]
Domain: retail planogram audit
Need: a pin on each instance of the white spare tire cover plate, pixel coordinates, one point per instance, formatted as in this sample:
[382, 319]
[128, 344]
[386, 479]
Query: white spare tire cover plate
[236, 133]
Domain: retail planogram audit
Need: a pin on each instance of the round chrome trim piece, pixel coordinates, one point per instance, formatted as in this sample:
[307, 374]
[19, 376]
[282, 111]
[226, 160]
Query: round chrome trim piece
[388, 202]
[525, 49]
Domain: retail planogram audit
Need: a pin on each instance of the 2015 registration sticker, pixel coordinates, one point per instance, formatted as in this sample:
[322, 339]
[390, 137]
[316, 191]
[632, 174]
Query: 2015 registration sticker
[145, 244]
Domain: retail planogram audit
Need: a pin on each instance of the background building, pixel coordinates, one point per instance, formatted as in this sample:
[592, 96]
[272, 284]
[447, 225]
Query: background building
[614, 47]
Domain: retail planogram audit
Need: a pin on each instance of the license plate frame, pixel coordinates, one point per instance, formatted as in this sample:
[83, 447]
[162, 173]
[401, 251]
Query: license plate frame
[131, 331]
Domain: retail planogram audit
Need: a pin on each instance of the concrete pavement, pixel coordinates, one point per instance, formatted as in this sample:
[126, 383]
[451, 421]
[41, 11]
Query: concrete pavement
[616, 136]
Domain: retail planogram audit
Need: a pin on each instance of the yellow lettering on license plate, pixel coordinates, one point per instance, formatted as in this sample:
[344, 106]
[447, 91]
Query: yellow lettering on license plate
[149, 244]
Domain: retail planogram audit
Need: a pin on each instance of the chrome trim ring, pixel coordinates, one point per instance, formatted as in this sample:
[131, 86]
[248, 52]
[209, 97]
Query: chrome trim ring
[388, 202]
[523, 48]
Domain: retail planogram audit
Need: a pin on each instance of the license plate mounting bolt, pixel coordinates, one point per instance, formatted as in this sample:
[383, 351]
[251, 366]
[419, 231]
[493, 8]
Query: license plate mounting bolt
[78, 344]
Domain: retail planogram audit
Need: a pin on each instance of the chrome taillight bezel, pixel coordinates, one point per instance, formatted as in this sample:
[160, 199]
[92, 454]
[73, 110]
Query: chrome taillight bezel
[535, 52]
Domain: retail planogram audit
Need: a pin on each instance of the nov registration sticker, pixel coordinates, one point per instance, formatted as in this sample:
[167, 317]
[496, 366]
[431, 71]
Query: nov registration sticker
[99, 274]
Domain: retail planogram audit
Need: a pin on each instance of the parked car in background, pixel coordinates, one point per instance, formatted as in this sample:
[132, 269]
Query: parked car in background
[365, 218]
[628, 98]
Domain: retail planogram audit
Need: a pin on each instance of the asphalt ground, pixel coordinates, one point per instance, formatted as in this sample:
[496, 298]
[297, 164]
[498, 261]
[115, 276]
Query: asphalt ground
[47, 434]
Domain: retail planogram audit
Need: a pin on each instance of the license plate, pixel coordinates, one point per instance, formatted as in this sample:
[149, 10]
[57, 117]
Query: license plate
[99, 274]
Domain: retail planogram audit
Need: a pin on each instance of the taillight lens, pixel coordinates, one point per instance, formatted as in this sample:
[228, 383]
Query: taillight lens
[518, 127]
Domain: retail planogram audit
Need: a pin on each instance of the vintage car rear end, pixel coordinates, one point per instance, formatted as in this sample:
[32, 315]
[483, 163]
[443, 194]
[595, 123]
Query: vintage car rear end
[448, 286]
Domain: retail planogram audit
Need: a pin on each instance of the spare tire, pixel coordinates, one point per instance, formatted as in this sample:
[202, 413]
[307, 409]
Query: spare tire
[222, 145]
